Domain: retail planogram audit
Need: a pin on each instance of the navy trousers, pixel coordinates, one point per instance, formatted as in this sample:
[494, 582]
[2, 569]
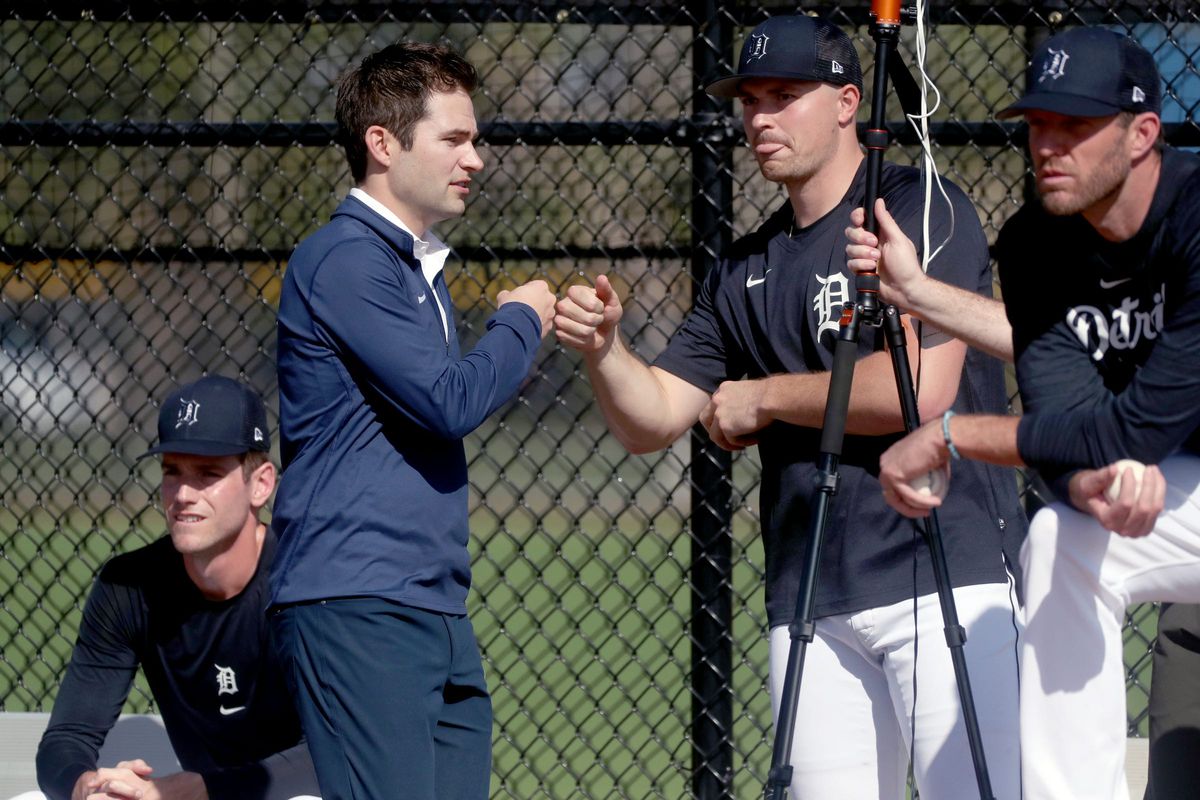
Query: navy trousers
[392, 699]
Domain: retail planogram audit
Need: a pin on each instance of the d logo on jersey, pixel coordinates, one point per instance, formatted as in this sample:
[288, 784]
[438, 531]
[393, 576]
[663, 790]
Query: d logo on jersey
[227, 684]
[834, 294]
[226, 680]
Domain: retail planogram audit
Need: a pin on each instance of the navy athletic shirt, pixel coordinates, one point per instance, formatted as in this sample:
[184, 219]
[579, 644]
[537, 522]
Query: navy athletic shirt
[214, 676]
[1107, 334]
[771, 306]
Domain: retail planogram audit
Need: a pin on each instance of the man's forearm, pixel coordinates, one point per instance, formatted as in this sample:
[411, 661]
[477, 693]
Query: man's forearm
[874, 408]
[978, 321]
[989, 438]
[637, 407]
[800, 399]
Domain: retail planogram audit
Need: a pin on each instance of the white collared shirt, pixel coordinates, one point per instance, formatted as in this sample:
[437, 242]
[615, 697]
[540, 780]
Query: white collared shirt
[432, 254]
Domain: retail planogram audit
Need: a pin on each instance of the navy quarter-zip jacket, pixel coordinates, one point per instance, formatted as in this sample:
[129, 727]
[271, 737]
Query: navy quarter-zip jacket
[374, 402]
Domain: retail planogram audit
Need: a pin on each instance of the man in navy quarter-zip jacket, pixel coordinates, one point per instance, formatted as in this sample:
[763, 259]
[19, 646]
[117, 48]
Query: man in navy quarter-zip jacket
[370, 582]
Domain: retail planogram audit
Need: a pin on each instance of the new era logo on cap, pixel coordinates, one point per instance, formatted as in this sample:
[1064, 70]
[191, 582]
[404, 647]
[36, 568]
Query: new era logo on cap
[214, 416]
[1090, 72]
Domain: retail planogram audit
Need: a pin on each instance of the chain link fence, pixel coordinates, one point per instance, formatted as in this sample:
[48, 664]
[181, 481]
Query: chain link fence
[161, 159]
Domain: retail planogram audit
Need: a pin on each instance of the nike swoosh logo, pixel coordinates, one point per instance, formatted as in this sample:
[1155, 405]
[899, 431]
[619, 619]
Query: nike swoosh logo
[753, 281]
[420, 299]
[1110, 284]
[225, 712]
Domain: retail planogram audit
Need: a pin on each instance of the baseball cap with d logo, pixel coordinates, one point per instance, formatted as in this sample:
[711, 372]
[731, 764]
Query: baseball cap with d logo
[214, 416]
[1090, 72]
[794, 47]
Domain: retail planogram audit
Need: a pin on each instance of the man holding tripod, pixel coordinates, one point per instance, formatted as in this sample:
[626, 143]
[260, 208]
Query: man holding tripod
[751, 364]
[1102, 289]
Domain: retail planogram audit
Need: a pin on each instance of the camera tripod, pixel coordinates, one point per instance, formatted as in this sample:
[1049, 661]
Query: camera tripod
[866, 310]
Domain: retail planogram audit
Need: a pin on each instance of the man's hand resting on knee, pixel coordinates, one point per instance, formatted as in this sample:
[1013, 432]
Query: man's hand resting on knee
[1134, 505]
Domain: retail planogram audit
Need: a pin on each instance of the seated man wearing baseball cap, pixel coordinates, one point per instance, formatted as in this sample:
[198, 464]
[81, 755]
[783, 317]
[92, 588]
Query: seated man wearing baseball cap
[190, 609]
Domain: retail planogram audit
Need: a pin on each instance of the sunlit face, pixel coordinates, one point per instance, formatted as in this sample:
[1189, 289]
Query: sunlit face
[792, 126]
[208, 500]
[430, 182]
[1079, 162]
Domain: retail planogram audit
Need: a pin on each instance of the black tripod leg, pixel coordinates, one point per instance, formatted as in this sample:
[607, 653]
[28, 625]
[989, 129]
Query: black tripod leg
[803, 627]
[956, 635]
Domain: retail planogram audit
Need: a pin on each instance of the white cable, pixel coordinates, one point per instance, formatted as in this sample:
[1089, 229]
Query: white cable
[920, 122]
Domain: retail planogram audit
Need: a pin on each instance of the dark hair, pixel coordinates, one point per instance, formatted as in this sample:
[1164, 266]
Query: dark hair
[391, 88]
[251, 461]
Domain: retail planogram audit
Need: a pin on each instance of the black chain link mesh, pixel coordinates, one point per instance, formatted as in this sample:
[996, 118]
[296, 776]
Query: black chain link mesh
[162, 159]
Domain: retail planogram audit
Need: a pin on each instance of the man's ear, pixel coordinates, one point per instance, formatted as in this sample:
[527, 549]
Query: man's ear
[849, 98]
[381, 145]
[262, 484]
[1144, 132]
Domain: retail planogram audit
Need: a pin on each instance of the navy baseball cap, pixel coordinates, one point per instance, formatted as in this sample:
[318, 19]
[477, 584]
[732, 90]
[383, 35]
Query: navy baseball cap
[214, 416]
[1090, 72]
[795, 47]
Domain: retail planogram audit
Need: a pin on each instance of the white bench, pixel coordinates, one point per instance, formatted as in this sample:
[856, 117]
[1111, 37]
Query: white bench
[143, 736]
[134, 736]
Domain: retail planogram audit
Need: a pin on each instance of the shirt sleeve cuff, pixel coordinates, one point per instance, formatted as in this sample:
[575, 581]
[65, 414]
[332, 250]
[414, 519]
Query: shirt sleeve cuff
[523, 320]
[60, 785]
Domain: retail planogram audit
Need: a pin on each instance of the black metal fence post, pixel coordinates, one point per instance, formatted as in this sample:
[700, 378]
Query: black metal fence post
[711, 467]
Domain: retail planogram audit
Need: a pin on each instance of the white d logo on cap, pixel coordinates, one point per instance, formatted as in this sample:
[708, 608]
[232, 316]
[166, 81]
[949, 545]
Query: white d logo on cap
[1055, 65]
[758, 47]
[189, 413]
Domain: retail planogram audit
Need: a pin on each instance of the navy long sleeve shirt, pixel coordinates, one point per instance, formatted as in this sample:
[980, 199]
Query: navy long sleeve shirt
[209, 664]
[374, 401]
[1107, 334]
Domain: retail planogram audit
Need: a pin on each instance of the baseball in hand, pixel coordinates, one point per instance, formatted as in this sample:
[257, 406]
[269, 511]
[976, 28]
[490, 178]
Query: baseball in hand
[936, 482]
[1125, 465]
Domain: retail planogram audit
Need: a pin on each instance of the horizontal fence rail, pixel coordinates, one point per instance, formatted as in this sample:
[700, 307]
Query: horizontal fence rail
[163, 158]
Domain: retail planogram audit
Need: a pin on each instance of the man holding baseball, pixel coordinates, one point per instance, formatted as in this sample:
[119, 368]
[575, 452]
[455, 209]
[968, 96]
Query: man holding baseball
[1102, 289]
